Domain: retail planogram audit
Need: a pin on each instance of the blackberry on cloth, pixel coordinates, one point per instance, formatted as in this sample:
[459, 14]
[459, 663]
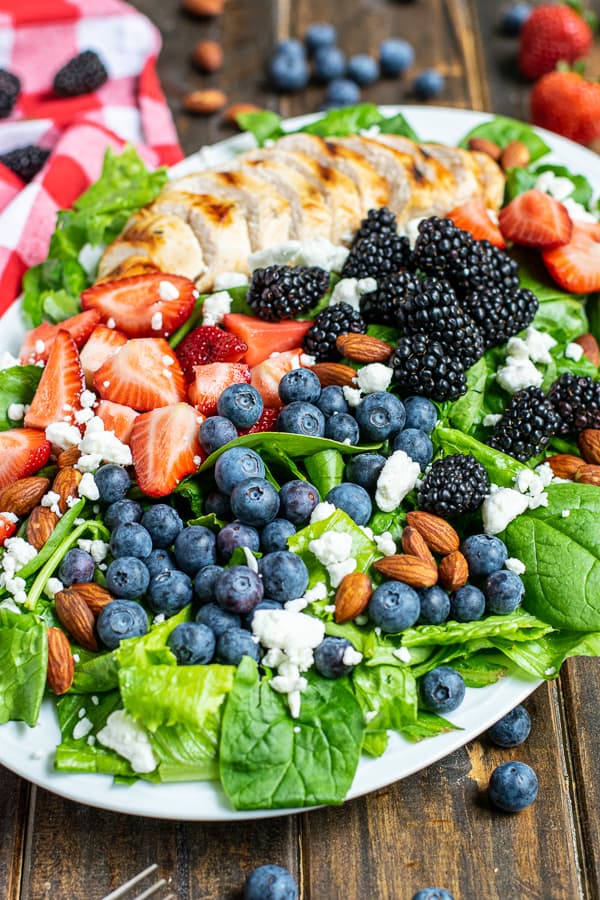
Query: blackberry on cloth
[385, 305]
[526, 426]
[500, 314]
[341, 318]
[10, 87]
[282, 292]
[576, 399]
[377, 255]
[26, 161]
[82, 74]
[423, 366]
[453, 486]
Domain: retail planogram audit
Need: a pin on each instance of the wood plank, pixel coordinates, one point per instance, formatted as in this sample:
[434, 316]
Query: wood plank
[14, 801]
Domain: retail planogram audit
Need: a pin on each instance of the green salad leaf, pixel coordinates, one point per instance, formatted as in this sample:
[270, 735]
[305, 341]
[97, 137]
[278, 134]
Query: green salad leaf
[523, 179]
[294, 446]
[427, 725]
[543, 657]
[502, 130]
[264, 125]
[79, 754]
[388, 691]
[325, 470]
[501, 468]
[17, 385]
[23, 663]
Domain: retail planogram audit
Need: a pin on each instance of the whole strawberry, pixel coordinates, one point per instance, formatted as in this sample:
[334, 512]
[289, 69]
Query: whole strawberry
[568, 104]
[551, 34]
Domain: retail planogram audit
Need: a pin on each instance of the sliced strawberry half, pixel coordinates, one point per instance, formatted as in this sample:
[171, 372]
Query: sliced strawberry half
[264, 338]
[22, 452]
[208, 344]
[267, 420]
[210, 381]
[534, 219]
[58, 395]
[102, 343]
[165, 448]
[38, 342]
[267, 375]
[8, 526]
[117, 418]
[143, 305]
[144, 374]
[474, 217]
[576, 265]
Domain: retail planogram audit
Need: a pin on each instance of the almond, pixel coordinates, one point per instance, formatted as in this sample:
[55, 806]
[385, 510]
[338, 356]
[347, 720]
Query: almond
[65, 484]
[588, 474]
[591, 350]
[565, 465]
[237, 109]
[352, 596]
[413, 544]
[589, 445]
[68, 457]
[363, 348]
[411, 570]
[438, 534]
[40, 525]
[204, 7]
[93, 595]
[334, 373]
[61, 665]
[453, 572]
[20, 497]
[482, 145]
[76, 616]
[208, 56]
[206, 102]
[515, 155]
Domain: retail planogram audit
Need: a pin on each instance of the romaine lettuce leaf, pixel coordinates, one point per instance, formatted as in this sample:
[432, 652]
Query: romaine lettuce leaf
[23, 664]
[85, 754]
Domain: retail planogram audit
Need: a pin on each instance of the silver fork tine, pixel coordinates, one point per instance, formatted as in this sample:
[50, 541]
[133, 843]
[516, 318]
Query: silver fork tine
[120, 891]
[151, 890]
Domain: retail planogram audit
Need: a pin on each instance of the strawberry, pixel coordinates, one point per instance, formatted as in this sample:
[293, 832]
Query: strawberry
[165, 448]
[267, 420]
[474, 217]
[143, 374]
[38, 342]
[117, 418]
[267, 375]
[102, 343]
[143, 305]
[22, 452]
[208, 344]
[566, 103]
[58, 393]
[264, 338]
[7, 526]
[534, 219]
[576, 265]
[211, 380]
[553, 33]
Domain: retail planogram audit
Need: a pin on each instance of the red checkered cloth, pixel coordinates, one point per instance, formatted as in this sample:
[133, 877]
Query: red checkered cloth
[37, 37]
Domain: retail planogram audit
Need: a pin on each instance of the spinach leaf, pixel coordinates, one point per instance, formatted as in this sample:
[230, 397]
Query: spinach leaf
[388, 691]
[483, 668]
[386, 333]
[501, 468]
[393, 522]
[266, 762]
[523, 179]
[23, 663]
[17, 385]
[349, 120]
[398, 125]
[95, 673]
[295, 446]
[427, 725]
[325, 470]
[76, 754]
[502, 130]
[468, 410]
[264, 125]
[375, 742]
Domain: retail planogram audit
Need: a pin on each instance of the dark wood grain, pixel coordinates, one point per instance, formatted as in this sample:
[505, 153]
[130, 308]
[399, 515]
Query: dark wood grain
[14, 804]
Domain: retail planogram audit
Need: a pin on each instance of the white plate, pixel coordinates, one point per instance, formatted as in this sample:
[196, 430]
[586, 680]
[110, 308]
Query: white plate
[29, 751]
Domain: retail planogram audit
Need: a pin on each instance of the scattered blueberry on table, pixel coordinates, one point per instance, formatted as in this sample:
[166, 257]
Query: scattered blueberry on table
[512, 729]
[270, 883]
[513, 786]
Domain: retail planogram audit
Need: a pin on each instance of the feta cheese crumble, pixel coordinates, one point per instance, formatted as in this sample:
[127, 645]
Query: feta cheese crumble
[332, 547]
[397, 478]
[156, 322]
[16, 411]
[215, 308]
[403, 654]
[500, 508]
[167, 290]
[374, 377]
[105, 444]
[88, 488]
[82, 728]
[350, 290]
[514, 565]
[385, 543]
[313, 252]
[227, 280]
[123, 735]
[321, 512]
[491, 419]
[63, 435]
[572, 351]
[351, 657]
[518, 374]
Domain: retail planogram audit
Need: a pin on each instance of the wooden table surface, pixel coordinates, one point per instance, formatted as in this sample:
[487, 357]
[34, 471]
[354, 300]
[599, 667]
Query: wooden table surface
[434, 828]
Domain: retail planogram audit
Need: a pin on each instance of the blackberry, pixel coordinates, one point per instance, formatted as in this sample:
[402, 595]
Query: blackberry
[82, 74]
[526, 426]
[10, 87]
[378, 221]
[25, 161]
[423, 366]
[500, 314]
[283, 292]
[453, 486]
[576, 399]
[319, 340]
[377, 255]
[385, 305]
[485, 266]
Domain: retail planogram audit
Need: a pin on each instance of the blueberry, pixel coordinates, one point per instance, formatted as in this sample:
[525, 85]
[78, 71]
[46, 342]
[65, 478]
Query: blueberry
[238, 589]
[364, 469]
[284, 575]
[353, 499]
[435, 606]
[442, 689]
[217, 619]
[291, 47]
[512, 729]
[342, 92]
[205, 583]
[299, 384]
[514, 18]
[127, 577]
[112, 482]
[420, 413]
[484, 553]
[332, 400]
[467, 604]
[77, 567]
[163, 524]
[218, 504]
[122, 511]
[119, 620]
[242, 404]
[362, 69]
[275, 535]
[329, 657]
[169, 592]
[255, 501]
[130, 539]
[159, 561]
[329, 63]
[343, 428]
[503, 592]
[428, 84]
[264, 604]
[380, 415]
[270, 883]
[395, 57]
[320, 34]
[416, 444]
[394, 606]
[195, 546]
[513, 786]
[303, 418]
[433, 893]
[236, 534]
[234, 644]
[297, 499]
[288, 72]
[235, 464]
[192, 644]
[215, 432]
